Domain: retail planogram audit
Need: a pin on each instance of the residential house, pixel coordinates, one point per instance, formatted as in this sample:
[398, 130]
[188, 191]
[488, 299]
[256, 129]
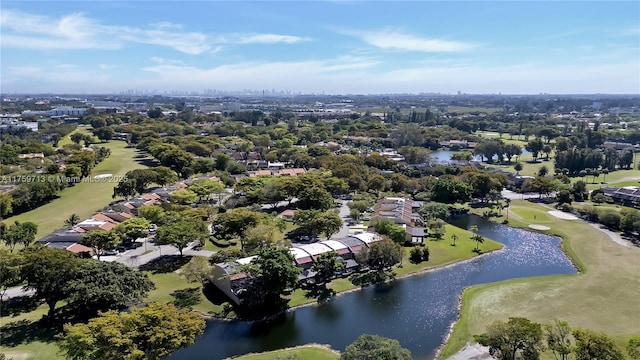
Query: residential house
[230, 280]
[402, 212]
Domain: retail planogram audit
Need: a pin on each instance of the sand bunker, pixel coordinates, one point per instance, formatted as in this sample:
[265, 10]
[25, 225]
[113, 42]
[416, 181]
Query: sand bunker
[539, 227]
[563, 215]
[102, 176]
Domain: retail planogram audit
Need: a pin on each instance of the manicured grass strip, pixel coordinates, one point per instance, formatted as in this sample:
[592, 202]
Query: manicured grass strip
[84, 198]
[600, 298]
[306, 352]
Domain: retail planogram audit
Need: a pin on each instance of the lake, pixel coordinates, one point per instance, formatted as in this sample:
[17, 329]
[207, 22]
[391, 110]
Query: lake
[416, 310]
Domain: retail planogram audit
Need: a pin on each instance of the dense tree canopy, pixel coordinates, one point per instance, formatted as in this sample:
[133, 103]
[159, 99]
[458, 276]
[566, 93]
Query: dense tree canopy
[101, 286]
[375, 347]
[518, 338]
[151, 333]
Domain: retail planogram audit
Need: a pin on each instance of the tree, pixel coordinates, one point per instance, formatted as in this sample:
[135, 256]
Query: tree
[77, 137]
[48, 271]
[376, 183]
[134, 228]
[535, 146]
[204, 188]
[383, 255]
[633, 348]
[450, 191]
[151, 332]
[9, 270]
[543, 171]
[20, 233]
[164, 176]
[375, 347]
[434, 210]
[184, 197]
[6, 205]
[559, 339]
[328, 222]
[125, 188]
[541, 185]
[454, 237]
[591, 345]
[326, 267]
[258, 237]
[234, 223]
[182, 232]
[72, 220]
[104, 133]
[394, 231]
[271, 273]
[314, 198]
[476, 237]
[196, 270]
[101, 286]
[154, 213]
[99, 240]
[177, 160]
[86, 161]
[517, 167]
[518, 338]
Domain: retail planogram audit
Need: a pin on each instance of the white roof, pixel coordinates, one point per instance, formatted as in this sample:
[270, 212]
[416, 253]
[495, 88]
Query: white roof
[245, 261]
[91, 222]
[316, 249]
[367, 237]
[335, 245]
[299, 253]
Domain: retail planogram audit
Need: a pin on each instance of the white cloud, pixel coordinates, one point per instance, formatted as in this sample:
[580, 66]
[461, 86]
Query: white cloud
[77, 31]
[270, 39]
[393, 39]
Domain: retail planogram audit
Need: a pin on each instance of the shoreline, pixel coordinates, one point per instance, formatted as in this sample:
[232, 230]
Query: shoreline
[341, 293]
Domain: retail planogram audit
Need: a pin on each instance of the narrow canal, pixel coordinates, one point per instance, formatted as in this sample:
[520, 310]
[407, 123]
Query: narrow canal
[416, 310]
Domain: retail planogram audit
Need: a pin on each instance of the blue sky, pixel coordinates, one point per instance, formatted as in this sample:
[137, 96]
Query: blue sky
[335, 47]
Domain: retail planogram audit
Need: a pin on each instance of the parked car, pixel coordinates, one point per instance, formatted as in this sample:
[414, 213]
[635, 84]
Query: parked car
[110, 252]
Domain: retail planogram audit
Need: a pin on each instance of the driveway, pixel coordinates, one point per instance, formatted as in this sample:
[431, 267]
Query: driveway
[344, 215]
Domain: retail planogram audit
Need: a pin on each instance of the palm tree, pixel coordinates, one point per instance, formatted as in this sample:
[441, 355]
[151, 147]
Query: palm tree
[605, 171]
[508, 201]
[476, 237]
[454, 237]
[72, 220]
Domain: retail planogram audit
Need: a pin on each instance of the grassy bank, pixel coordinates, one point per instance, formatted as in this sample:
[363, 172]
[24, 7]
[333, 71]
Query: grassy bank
[599, 298]
[84, 198]
[306, 352]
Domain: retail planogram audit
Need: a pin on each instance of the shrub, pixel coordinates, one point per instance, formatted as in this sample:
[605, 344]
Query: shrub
[566, 207]
[416, 254]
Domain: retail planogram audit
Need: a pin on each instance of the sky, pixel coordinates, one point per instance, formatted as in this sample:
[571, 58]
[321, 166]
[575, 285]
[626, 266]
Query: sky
[331, 47]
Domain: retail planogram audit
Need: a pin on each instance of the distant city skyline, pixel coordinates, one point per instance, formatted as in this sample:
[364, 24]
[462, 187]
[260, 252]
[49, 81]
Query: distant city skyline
[331, 47]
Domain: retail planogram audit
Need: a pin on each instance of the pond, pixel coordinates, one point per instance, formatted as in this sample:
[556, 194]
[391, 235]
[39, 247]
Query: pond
[444, 156]
[416, 310]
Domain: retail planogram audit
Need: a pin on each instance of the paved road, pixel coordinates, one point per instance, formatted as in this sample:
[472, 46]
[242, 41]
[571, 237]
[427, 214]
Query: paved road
[344, 215]
[17, 292]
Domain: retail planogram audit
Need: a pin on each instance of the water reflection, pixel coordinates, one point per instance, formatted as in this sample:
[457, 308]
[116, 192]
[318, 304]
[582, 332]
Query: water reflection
[417, 310]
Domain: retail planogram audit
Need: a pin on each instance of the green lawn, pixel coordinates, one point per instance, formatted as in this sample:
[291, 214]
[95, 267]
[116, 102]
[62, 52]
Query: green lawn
[67, 139]
[600, 298]
[307, 352]
[84, 198]
[22, 338]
